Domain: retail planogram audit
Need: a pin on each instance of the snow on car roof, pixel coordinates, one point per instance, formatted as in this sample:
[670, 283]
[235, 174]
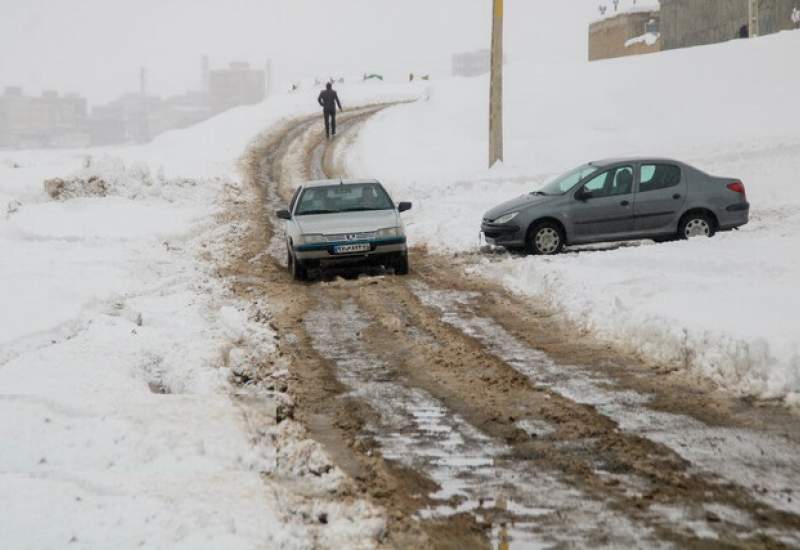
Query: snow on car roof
[618, 160]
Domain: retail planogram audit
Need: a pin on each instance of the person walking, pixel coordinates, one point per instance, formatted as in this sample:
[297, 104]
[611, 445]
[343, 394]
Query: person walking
[328, 100]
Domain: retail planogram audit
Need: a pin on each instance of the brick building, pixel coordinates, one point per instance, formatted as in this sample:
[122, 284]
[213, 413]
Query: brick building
[627, 33]
[686, 23]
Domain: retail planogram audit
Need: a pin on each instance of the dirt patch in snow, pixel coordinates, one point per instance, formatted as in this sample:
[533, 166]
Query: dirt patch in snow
[64, 189]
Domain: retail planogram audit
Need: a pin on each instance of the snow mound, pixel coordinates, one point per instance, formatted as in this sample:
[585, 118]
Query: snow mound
[110, 176]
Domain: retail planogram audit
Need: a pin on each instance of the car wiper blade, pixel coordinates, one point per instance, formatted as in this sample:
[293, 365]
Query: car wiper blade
[312, 212]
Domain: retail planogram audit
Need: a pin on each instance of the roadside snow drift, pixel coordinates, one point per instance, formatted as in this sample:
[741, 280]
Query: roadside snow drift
[727, 308]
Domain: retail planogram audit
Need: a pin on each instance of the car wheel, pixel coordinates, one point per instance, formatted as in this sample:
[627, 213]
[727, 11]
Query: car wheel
[297, 269]
[696, 225]
[401, 264]
[544, 239]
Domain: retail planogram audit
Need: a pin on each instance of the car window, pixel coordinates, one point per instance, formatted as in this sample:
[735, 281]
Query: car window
[567, 181]
[622, 184]
[343, 198]
[597, 184]
[617, 181]
[658, 176]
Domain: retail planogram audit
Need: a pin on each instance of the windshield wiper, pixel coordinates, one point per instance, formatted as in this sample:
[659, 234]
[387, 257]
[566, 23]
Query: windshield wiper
[312, 212]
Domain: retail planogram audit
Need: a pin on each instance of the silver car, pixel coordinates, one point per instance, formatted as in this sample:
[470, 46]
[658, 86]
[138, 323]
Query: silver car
[617, 200]
[335, 223]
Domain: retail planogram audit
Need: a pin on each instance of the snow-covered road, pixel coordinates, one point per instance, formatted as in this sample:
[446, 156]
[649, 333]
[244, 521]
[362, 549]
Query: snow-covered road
[164, 382]
[451, 401]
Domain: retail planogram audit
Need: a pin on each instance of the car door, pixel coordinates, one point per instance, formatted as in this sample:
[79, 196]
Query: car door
[607, 211]
[660, 197]
[289, 227]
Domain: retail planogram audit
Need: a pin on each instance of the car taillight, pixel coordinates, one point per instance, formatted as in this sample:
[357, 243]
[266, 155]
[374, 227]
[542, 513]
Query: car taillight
[737, 187]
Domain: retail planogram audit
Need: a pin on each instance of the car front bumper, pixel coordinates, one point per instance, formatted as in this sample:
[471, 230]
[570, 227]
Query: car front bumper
[502, 234]
[325, 252]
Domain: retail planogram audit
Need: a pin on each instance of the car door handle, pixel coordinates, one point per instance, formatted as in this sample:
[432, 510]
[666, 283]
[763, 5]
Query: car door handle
[676, 196]
[624, 203]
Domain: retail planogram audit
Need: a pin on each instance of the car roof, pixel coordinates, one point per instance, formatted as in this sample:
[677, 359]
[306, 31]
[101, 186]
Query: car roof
[331, 182]
[619, 160]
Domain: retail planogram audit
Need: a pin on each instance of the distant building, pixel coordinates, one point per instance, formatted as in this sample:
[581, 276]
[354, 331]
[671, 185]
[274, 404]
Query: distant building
[237, 85]
[46, 121]
[686, 23]
[124, 120]
[13, 116]
[472, 63]
[632, 32]
[63, 121]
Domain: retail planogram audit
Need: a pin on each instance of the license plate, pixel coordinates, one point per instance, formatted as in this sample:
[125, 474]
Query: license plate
[350, 248]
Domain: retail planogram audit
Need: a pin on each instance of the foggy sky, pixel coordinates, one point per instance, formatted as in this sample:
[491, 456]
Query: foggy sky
[95, 47]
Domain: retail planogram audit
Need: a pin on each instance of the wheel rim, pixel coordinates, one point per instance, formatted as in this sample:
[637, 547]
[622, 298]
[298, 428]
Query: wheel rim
[547, 240]
[697, 227]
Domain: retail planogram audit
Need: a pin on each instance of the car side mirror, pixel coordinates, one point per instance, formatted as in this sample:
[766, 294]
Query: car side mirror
[583, 194]
[403, 206]
[283, 214]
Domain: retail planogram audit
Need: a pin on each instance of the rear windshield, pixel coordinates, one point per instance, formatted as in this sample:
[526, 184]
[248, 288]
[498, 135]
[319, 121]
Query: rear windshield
[349, 197]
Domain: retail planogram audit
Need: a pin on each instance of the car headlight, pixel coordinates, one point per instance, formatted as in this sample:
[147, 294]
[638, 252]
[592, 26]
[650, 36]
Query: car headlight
[507, 218]
[389, 232]
[313, 238]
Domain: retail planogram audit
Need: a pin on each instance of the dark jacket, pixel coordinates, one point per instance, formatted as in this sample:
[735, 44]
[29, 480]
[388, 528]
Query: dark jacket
[328, 99]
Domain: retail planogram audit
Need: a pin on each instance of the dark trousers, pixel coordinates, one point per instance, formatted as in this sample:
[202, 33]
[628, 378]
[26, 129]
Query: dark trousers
[330, 122]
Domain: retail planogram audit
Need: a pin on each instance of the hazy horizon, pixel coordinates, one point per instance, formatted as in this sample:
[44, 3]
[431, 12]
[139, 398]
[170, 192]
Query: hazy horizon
[95, 49]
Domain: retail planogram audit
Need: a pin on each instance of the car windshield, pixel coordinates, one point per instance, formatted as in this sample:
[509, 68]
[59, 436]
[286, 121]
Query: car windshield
[348, 197]
[564, 183]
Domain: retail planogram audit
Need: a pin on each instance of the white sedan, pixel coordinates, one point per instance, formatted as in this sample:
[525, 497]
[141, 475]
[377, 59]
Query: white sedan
[341, 223]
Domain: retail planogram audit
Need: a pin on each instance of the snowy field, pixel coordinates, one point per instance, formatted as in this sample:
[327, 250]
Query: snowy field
[728, 308]
[117, 347]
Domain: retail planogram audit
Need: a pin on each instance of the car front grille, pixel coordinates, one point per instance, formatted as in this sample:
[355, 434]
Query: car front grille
[343, 237]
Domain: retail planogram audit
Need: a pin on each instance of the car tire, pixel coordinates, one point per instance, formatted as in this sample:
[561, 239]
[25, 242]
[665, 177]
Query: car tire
[401, 264]
[544, 239]
[696, 224]
[297, 269]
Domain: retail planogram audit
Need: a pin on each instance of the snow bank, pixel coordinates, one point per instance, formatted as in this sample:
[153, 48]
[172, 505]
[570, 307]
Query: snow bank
[123, 354]
[726, 309]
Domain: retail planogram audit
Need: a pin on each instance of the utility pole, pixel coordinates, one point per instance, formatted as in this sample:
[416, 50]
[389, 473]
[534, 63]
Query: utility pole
[496, 91]
[753, 22]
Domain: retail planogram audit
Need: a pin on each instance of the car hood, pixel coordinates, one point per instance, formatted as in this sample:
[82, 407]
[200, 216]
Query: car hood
[515, 205]
[348, 222]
